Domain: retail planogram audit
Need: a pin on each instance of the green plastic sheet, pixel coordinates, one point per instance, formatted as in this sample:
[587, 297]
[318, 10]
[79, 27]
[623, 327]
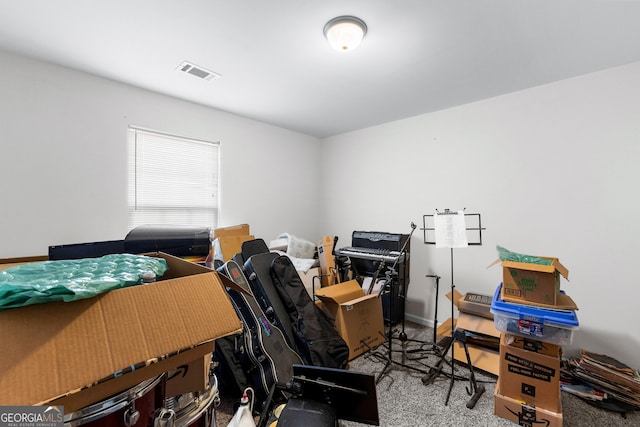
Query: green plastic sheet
[507, 255]
[70, 280]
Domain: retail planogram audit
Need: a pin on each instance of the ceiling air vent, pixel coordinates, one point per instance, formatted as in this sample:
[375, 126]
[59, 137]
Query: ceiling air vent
[198, 71]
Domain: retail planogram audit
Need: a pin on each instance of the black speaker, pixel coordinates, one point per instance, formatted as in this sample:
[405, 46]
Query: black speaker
[174, 240]
[379, 240]
[392, 313]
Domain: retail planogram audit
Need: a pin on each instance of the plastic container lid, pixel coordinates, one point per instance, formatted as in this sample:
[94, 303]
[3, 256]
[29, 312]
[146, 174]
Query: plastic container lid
[560, 318]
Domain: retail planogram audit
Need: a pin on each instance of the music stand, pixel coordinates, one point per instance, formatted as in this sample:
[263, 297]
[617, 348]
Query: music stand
[450, 229]
[352, 394]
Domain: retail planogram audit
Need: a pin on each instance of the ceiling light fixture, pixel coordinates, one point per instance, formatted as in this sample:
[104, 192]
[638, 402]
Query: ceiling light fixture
[345, 33]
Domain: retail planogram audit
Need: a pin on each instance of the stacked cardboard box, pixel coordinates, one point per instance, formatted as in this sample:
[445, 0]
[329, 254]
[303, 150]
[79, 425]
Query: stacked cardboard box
[227, 241]
[535, 319]
[483, 338]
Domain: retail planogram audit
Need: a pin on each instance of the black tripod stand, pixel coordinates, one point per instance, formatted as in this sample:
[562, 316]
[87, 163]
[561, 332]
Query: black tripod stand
[474, 390]
[390, 276]
[434, 347]
[391, 282]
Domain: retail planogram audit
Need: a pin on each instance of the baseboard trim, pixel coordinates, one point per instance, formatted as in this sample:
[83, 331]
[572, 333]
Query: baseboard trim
[419, 320]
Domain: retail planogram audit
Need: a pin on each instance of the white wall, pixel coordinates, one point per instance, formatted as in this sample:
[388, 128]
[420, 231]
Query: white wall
[552, 170]
[63, 159]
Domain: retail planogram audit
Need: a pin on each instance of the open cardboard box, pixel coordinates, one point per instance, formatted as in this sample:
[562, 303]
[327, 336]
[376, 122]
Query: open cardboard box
[77, 353]
[189, 377]
[358, 317]
[532, 282]
[482, 357]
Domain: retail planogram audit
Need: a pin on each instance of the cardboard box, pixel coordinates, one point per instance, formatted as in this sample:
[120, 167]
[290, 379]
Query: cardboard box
[533, 282]
[224, 248]
[234, 230]
[358, 317]
[189, 377]
[227, 241]
[477, 324]
[476, 304]
[530, 375]
[485, 358]
[563, 301]
[309, 281]
[327, 261]
[522, 414]
[78, 353]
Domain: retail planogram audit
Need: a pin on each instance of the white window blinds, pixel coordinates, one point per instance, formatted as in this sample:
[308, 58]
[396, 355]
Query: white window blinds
[172, 180]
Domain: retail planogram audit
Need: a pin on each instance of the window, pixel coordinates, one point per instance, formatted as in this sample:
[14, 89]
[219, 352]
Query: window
[172, 180]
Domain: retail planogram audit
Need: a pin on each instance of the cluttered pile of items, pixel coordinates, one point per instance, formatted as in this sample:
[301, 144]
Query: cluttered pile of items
[603, 381]
[109, 345]
[126, 330]
[536, 318]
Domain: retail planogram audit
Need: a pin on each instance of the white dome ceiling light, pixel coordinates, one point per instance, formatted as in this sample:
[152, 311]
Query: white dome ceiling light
[345, 33]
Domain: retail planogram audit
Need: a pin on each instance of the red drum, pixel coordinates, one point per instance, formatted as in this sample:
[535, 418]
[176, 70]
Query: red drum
[136, 407]
[193, 409]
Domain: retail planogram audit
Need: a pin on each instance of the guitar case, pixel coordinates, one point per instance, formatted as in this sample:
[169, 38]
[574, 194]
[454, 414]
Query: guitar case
[270, 359]
[230, 365]
[316, 337]
[258, 271]
[253, 247]
[248, 249]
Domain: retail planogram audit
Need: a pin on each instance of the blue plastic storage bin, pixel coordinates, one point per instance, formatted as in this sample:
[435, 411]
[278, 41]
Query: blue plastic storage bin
[552, 326]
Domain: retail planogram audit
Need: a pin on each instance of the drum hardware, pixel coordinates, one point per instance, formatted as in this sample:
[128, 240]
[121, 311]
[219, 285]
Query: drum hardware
[165, 418]
[191, 409]
[146, 405]
[131, 416]
[121, 409]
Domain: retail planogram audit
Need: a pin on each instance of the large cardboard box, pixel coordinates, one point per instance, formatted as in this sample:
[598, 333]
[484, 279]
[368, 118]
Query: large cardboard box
[78, 353]
[533, 282]
[358, 317]
[224, 248]
[227, 241]
[234, 230]
[189, 377]
[530, 371]
[522, 414]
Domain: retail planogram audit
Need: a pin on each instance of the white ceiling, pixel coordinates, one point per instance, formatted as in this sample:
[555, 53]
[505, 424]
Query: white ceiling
[419, 56]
